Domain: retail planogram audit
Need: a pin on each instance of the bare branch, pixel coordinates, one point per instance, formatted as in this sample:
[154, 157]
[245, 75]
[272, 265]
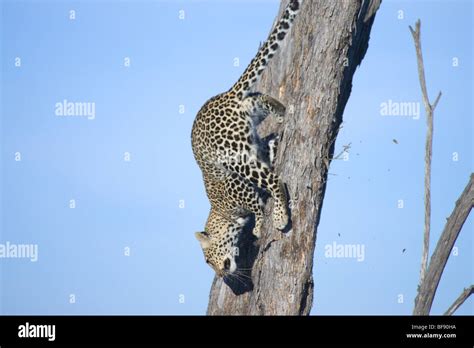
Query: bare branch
[436, 101]
[428, 146]
[460, 300]
[345, 148]
[421, 69]
[427, 288]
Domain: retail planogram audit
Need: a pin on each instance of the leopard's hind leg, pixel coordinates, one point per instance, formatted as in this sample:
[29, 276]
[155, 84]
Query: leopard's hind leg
[260, 174]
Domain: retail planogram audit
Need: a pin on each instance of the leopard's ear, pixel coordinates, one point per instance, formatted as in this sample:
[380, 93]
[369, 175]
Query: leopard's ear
[203, 238]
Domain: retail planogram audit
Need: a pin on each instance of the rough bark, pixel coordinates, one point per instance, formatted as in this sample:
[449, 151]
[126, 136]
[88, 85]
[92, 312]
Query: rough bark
[427, 289]
[312, 75]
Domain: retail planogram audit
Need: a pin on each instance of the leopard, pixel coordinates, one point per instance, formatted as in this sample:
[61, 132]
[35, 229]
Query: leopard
[237, 165]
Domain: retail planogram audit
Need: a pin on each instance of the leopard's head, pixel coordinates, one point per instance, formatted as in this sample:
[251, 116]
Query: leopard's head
[219, 241]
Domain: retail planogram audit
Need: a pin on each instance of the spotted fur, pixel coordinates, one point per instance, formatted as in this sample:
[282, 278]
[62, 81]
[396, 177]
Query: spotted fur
[234, 161]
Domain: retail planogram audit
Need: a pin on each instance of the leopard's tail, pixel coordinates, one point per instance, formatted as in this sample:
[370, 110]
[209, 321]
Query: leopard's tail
[253, 72]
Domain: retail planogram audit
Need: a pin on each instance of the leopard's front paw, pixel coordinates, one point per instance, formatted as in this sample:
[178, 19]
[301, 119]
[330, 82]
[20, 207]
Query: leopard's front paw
[257, 230]
[278, 109]
[280, 114]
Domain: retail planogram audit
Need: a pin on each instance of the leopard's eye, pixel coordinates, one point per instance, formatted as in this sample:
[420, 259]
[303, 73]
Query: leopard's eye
[226, 264]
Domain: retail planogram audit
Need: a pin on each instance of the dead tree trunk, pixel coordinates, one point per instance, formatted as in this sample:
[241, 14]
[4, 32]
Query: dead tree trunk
[312, 76]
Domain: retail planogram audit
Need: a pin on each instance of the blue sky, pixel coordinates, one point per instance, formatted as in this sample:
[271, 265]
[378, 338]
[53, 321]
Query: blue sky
[150, 206]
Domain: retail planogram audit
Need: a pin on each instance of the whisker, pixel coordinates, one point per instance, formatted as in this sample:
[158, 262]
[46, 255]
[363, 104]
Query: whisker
[234, 276]
[242, 270]
[242, 274]
[243, 277]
